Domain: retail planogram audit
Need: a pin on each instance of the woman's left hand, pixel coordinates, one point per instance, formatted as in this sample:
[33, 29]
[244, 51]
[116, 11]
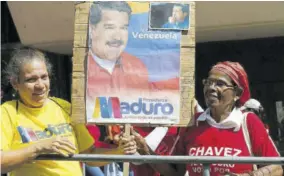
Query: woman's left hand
[127, 144]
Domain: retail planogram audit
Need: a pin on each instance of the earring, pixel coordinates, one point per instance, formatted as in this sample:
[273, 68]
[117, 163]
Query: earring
[15, 94]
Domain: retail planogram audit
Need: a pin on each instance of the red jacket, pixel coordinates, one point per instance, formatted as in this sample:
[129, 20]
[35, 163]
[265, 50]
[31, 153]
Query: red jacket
[130, 74]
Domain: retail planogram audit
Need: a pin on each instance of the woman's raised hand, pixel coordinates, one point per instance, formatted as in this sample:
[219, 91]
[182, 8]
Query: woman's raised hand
[127, 144]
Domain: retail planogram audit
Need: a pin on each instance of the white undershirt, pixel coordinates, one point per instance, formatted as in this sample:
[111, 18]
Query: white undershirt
[234, 120]
[104, 63]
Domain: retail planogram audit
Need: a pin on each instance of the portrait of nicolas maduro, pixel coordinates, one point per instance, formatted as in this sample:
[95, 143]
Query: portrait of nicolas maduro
[132, 71]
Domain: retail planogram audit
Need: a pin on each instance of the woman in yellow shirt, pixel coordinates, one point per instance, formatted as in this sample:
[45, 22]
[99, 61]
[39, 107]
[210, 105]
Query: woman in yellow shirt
[37, 124]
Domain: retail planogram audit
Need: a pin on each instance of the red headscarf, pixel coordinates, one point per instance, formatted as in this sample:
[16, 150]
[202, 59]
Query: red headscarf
[237, 73]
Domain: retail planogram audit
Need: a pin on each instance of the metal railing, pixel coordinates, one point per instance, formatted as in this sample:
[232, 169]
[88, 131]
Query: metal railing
[204, 160]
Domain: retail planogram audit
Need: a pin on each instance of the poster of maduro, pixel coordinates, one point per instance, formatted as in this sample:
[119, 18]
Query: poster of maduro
[133, 73]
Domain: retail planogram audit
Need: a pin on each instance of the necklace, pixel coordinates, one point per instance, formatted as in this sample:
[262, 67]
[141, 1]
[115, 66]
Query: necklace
[36, 121]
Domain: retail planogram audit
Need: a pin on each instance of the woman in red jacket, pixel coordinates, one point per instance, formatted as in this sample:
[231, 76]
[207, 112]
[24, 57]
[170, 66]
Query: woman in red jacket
[223, 129]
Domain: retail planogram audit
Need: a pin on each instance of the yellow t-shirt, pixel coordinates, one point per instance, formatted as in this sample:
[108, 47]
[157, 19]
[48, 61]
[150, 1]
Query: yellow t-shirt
[19, 130]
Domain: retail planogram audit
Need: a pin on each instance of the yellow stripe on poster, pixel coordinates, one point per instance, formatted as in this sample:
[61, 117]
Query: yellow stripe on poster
[139, 7]
[97, 110]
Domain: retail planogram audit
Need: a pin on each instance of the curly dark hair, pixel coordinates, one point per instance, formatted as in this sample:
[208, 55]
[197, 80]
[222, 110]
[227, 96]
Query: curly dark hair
[21, 57]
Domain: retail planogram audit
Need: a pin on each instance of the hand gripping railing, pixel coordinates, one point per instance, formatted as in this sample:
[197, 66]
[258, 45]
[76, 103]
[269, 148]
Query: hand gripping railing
[205, 160]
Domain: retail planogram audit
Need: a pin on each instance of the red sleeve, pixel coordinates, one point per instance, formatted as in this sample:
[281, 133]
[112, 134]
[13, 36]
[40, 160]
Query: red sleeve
[262, 144]
[181, 146]
[183, 134]
[95, 133]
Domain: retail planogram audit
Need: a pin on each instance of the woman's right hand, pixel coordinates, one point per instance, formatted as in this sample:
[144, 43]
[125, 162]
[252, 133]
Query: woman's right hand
[142, 146]
[59, 145]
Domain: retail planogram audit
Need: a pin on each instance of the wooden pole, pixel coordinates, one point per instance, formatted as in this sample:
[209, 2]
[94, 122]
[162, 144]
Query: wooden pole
[126, 164]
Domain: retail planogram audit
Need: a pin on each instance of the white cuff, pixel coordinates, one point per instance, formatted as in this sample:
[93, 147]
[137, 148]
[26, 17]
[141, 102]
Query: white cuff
[155, 137]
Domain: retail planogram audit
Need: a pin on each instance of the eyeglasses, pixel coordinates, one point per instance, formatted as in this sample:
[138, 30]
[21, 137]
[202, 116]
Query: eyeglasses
[217, 83]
